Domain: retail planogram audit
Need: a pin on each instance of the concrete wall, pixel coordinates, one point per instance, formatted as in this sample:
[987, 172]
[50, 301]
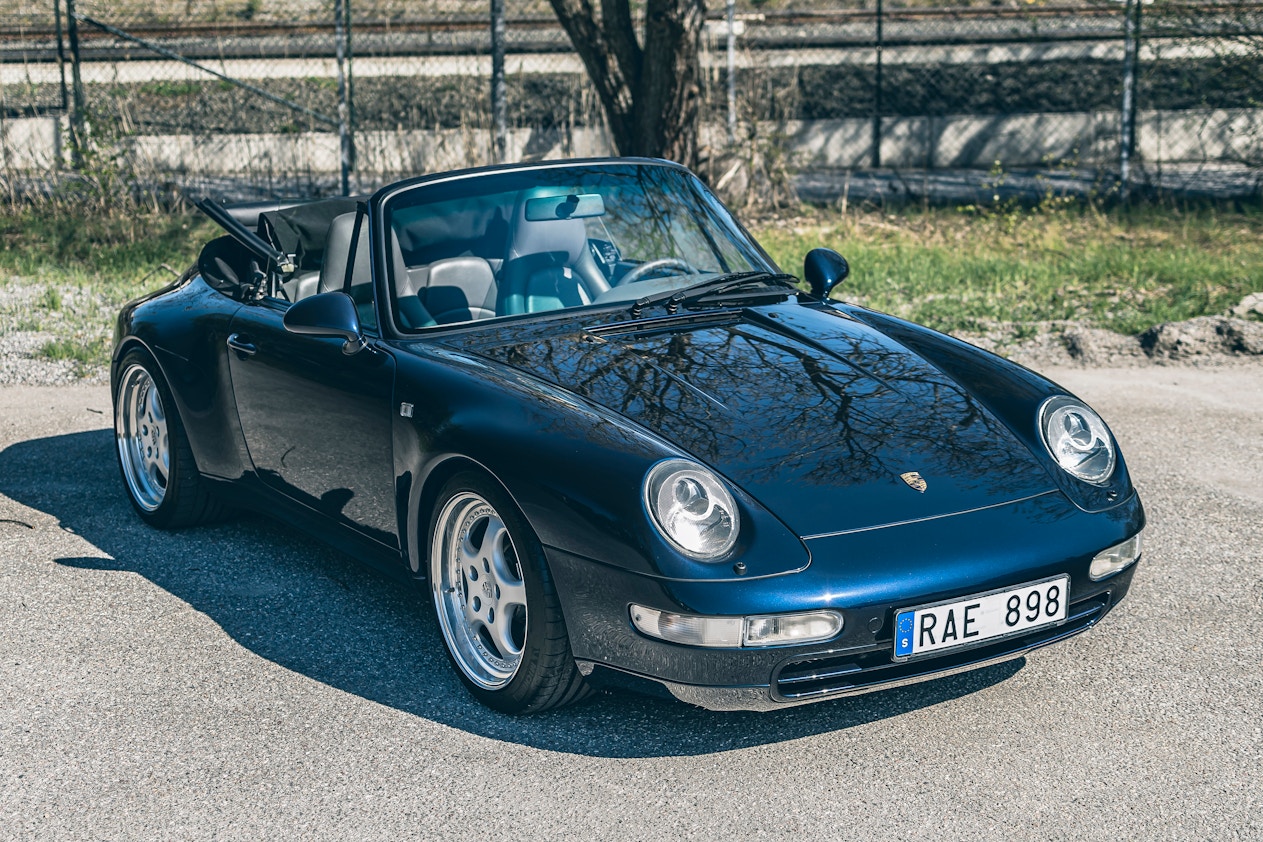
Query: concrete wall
[31, 145]
[35, 145]
[956, 142]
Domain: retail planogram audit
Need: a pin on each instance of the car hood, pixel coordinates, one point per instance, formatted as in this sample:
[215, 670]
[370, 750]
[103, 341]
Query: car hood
[818, 416]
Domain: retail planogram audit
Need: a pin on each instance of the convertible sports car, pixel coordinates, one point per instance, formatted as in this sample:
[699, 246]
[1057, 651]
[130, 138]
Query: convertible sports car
[621, 447]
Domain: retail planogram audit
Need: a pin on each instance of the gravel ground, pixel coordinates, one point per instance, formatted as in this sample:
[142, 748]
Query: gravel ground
[242, 681]
[21, 363]
[1206, 341]
[34, 314]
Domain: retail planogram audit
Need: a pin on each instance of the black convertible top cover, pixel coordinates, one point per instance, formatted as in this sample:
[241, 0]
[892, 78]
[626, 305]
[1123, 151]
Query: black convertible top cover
[300, 229]
[228, 266]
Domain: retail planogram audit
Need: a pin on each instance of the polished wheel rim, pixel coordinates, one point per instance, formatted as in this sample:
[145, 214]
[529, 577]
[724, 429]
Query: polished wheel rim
[478, 589]
[140, 428]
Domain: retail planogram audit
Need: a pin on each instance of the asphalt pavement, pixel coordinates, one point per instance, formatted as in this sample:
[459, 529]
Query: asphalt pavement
[243, 681]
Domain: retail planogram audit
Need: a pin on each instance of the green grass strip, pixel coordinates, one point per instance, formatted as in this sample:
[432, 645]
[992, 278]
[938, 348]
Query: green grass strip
[965, 271]
[960, 271]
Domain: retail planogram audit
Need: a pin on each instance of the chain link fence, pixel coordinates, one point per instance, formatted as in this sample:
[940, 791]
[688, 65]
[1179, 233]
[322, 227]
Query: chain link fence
[875, 98]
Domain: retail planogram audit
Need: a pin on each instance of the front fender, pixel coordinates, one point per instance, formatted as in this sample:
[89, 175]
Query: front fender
[1009, 391]
[574, 469]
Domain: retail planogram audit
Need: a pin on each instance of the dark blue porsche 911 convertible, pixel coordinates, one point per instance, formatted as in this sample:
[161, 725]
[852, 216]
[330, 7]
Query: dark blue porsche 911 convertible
[618, 444]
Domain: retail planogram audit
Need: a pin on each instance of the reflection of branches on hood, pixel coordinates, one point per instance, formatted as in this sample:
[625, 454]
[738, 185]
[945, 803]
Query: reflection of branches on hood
[642, 390]
[865, 433]
[785, 410]
[677, 407]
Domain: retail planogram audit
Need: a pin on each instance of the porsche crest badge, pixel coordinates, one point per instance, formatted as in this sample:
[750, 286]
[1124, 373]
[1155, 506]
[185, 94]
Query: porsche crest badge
[914, 481]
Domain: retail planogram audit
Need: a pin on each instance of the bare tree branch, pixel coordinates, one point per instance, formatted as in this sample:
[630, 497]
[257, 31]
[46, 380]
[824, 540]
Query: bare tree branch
[613, 86]
[651, 94]
[616, 21]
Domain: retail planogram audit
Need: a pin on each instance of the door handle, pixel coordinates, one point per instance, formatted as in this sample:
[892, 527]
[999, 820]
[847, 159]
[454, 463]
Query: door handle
[242, 345]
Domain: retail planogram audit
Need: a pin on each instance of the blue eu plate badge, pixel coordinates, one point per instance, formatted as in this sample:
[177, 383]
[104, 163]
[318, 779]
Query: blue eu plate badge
[903, 634]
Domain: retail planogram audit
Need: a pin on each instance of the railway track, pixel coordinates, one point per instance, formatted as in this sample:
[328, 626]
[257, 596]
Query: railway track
[179, 29]
[468, 34]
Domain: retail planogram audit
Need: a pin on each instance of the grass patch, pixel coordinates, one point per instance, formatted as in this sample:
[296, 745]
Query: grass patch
[966, 270]
[85, 353]
[103, 251]
[168, 88]
[85, 268]
[961, 271]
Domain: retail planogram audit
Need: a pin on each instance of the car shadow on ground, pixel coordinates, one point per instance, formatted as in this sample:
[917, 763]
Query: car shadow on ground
[323, 615]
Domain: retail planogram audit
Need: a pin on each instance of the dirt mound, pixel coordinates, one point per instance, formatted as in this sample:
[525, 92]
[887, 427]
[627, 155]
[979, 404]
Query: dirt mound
[1206, 340]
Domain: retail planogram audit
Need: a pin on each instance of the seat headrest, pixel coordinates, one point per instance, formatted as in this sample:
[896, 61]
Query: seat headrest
[547, 236]
[338, 249]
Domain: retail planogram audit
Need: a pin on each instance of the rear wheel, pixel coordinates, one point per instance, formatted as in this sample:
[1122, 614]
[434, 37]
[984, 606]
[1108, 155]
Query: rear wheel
[154, 457]
[496, 605]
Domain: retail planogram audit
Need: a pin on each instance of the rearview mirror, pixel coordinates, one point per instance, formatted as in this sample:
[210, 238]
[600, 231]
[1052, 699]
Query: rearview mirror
[329, 314]
[576, 206]
[824, 269]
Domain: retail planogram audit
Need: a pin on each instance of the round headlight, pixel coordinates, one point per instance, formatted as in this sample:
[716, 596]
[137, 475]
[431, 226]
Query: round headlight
[1077, 438]
[692, 508]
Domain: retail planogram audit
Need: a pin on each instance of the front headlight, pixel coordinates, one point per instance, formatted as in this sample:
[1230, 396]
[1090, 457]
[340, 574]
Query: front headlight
[1077, 439]
[692, 508]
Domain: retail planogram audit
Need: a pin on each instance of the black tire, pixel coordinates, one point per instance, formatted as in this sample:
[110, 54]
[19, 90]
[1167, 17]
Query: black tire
[475, 524]
[154, 459]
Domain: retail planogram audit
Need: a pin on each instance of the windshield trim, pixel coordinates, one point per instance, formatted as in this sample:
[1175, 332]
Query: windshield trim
[390, 191]
[705, 209]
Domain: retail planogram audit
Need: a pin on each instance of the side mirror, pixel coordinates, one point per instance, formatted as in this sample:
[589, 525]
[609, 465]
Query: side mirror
[824, 269]
[330, 314]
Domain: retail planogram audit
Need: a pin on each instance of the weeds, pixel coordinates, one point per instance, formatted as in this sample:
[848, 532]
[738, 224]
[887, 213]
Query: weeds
[965, 271]
[84, 247]
[83, 353]
[67, 274]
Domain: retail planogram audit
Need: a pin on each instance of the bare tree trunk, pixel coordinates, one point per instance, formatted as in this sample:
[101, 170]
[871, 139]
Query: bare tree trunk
[666, 116]
[650, 94]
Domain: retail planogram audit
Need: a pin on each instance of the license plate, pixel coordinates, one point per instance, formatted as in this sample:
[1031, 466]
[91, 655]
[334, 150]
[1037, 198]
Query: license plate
[979, 618]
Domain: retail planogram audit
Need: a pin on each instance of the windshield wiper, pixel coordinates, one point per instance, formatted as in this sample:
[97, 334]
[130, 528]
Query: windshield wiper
[749, 284]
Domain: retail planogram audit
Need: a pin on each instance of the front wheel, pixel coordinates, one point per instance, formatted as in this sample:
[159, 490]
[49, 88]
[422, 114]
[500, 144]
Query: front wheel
[496, 605]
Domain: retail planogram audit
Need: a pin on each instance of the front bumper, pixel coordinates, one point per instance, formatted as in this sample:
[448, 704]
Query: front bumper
[965, 559]
[803, 676]
[827, 675]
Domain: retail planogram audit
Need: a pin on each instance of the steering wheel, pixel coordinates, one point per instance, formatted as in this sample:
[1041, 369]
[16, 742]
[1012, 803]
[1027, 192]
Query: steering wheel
[654, 265]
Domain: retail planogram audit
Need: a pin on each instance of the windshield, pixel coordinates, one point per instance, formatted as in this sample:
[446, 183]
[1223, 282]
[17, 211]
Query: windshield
[530, 241]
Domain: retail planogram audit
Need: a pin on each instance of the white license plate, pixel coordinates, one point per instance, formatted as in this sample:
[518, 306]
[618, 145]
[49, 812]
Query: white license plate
[979, 618]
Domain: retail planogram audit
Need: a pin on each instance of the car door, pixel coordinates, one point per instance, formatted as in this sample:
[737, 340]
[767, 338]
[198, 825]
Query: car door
[317, 421]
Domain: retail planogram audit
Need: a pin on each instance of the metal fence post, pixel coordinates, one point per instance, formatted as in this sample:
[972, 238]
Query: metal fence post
[732, 71]
[350, 83]
[877, 104]
[344, 101]
[61, 55]
[78, 133]
[1127, 121]
[499, 127]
